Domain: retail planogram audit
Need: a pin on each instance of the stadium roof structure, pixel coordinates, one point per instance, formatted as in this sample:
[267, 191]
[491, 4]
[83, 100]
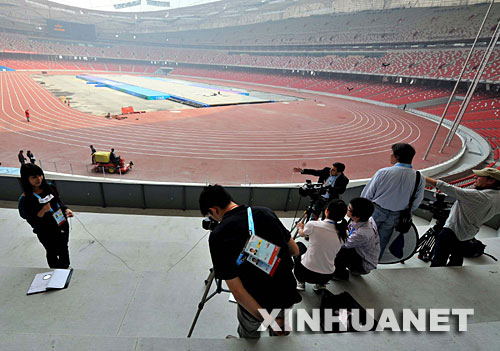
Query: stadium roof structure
[135, 17]
[131, 5]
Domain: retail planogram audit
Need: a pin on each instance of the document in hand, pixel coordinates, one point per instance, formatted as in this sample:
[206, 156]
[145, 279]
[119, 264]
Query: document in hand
[56, 279]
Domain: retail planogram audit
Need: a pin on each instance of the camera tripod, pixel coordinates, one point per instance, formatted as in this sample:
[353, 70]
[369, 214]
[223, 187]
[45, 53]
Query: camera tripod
[204, 299]
[440, 210]
[310, 211]
[426, 244]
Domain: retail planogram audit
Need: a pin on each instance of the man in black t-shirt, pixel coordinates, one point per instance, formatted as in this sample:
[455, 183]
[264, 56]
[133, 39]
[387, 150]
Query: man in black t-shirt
[252, 288]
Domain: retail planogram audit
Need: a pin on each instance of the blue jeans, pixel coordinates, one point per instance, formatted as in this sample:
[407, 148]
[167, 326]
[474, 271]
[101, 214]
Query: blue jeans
[386, 221]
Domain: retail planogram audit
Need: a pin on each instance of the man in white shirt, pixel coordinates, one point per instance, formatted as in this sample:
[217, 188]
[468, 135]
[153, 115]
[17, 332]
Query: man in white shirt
[472, 208]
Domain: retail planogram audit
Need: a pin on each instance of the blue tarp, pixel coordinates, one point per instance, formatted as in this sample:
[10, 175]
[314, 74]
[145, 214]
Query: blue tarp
[199, 85]
[10, 170]
[5, 68]
[144, 93]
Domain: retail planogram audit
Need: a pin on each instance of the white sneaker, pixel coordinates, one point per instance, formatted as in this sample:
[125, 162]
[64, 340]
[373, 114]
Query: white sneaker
[319, 287]
[301, 286]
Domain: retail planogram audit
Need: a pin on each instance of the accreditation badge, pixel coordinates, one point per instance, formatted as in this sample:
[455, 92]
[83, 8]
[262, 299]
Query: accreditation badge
[59, 217]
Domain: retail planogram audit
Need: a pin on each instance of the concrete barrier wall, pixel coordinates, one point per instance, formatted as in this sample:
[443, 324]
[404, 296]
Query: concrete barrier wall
[178, 196]
[162, 196]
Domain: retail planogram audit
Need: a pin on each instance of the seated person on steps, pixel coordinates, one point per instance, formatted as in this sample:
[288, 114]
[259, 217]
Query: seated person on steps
[472, 208]
[360, 253]
[316, 263]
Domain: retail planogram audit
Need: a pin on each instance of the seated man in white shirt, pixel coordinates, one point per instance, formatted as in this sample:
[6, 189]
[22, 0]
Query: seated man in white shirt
[360, 253]
[316, 263]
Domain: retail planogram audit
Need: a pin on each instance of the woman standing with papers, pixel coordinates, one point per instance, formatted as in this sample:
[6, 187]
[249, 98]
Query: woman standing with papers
[41, 206]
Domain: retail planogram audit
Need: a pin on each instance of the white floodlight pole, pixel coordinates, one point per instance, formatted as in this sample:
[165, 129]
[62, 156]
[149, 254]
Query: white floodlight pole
[458, 82]
[477, 78]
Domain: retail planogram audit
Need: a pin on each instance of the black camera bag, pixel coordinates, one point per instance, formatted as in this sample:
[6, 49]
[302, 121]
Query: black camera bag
[405, 216]
[474, 248]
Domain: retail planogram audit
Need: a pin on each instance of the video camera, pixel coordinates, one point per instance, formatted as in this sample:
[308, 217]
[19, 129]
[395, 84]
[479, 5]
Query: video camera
[313, 190]
[208, 223]
[439, 208]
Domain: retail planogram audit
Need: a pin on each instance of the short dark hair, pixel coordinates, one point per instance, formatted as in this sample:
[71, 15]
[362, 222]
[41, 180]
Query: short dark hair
[340, 166]
[213, 195]
[403, 152]
[362, 208]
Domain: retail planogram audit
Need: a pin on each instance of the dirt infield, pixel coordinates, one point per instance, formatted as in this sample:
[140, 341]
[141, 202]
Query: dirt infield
[99, 101]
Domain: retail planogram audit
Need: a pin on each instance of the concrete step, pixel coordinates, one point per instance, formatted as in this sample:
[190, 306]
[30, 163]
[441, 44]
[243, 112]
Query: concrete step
[479, 336]
[149, 302]
[157, 304]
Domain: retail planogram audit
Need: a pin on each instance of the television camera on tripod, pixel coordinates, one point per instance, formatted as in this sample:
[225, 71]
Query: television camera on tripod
[317, 203]
[440, 210]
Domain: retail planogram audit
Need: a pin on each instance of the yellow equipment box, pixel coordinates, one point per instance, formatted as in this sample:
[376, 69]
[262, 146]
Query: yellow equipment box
[102, 156]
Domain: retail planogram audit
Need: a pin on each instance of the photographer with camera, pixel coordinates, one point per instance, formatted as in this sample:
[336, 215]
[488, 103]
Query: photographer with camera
[472, 208]
[252, 288]
[333, 182]
[332, 178]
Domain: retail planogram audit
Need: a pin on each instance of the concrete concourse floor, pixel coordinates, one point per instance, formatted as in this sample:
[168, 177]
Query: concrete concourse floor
[138, 280]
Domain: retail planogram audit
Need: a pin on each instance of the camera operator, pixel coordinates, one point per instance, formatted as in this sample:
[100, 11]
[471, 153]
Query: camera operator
[334, 181]
[472, 208]
[252, 288]
[333, 178]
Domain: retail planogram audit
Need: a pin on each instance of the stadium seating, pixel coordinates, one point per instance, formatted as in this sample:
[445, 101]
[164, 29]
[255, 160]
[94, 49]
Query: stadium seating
[428, 63]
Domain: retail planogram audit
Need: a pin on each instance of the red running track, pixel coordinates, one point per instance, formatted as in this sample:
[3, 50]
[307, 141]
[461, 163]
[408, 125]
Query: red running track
[257, 143]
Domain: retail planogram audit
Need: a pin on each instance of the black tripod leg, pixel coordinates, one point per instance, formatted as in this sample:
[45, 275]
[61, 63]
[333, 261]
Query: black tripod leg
[294, 228]
[298, 221]
[208, 284]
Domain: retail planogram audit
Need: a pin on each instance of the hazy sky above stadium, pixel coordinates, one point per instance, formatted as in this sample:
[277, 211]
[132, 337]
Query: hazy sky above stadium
[108, 5]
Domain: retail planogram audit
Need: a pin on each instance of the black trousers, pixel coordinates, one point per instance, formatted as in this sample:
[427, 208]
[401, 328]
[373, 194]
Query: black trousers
[304, 275]
[55, 243]
[447, 246]
[347, 258]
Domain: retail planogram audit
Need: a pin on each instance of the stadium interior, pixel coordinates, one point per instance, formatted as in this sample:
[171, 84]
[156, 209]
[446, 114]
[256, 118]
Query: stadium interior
[236, 93]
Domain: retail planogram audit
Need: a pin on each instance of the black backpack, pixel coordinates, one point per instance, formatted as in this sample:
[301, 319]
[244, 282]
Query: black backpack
[474, 248]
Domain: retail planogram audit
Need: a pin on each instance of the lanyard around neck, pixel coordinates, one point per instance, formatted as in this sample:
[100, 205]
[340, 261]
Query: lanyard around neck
[251, 227]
